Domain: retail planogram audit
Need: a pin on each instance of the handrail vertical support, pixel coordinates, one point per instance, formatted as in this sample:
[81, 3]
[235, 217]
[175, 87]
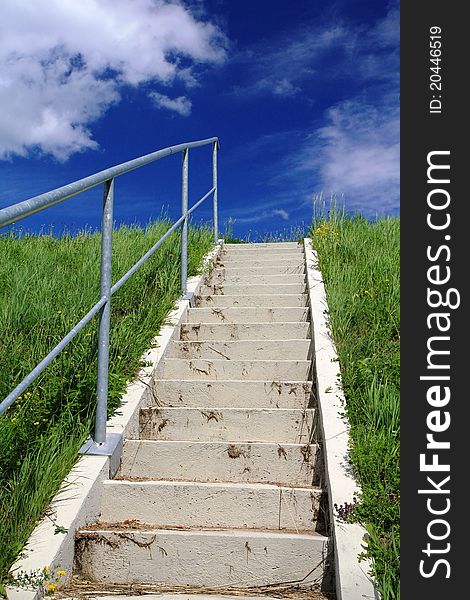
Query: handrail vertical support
[215, 147]
[184, 228]
[105, 314]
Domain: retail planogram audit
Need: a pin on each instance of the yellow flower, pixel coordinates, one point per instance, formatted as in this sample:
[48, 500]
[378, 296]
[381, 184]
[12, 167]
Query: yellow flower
[46, 570]
[51, 587]
[61, 573]
[324, 230]
[37, 423]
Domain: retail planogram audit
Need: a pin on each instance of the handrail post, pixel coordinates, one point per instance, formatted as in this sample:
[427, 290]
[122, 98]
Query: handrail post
[184, 228]
[105, 314]
[215, 146]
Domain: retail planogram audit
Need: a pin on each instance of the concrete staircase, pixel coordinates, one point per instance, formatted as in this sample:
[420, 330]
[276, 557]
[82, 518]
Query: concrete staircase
[221, 490]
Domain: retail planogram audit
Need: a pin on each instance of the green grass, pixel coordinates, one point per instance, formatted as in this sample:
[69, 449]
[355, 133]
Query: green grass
[46, 285]
[359, 260]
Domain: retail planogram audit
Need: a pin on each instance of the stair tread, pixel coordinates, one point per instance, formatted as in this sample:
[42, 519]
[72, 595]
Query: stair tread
[219, 443]
[228, 409]
[136, 526]
[304, 294]
[183, 592]
[241, 393]
[223, 424]
[211, 484]
[236, 369]
[260, 323]
[237, 381]
[239, 360]
[274, 330]
[270, 382]
[234, 342]
[236, 309]
[239, 315]
[234, 461]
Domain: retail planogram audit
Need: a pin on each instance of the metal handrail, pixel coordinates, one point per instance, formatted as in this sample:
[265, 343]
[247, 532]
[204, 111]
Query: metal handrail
[20, 210]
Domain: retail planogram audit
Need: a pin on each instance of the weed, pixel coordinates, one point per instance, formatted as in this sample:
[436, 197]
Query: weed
[346, 511]
[228, 236]
[46, 579]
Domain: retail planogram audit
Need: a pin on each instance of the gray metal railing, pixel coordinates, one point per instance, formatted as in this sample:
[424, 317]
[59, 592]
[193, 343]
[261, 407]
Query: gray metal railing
[16, 212]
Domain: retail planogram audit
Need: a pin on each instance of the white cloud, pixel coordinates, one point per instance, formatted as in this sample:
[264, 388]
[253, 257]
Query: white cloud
[280, 66]
[322, 50]
[280, 212]
[356, 153]
[385, 32]
[63, 63]
[254, 214]
[278, 87]
[181, 105]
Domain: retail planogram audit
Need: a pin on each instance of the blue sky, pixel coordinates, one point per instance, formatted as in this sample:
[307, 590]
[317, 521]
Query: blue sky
[303, 95]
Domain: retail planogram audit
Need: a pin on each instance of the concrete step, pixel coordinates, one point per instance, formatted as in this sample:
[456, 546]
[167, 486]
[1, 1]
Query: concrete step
[244, 331]
[218, 278]
[84, 589]
[248, 257]
[237, 558]
[253, 288]
[232, 394]
[283, 246]
[244, 271]
[289, 464]
[242, 262]
[245, 300]
[227, 505]
[261, 349]
[251, 314]
[278, 425]
[232, 370]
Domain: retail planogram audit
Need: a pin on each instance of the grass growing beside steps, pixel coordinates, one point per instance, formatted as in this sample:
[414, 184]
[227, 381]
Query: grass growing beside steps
[46, 285]
[359, 261]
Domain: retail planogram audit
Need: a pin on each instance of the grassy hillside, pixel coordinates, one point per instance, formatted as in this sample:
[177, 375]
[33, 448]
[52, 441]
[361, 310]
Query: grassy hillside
[360, 265]
[46, 285]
